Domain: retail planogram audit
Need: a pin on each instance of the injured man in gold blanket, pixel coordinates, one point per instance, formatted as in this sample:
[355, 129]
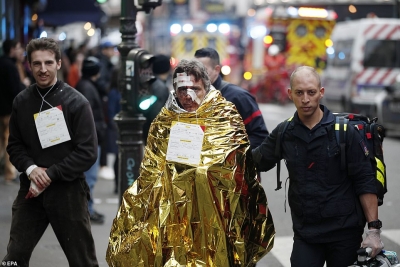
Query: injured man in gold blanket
[197, 201]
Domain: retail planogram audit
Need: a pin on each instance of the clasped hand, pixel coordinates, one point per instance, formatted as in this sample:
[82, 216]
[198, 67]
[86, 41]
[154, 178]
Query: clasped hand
[39, 182]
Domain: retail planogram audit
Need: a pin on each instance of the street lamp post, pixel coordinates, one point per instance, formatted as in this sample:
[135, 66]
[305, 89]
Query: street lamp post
[129, 124]
[129, 121]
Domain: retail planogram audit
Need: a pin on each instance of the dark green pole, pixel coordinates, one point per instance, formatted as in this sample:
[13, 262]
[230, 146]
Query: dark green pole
[130, 124]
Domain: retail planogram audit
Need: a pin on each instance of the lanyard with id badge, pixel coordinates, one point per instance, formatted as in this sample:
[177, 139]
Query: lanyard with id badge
[50, 125]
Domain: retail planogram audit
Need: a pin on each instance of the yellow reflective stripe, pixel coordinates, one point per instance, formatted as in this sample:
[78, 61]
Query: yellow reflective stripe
[290, 118]
[380, 170]
[337, 127]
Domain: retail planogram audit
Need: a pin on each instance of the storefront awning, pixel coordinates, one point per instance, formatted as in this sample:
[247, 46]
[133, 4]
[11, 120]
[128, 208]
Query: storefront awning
[62, 12]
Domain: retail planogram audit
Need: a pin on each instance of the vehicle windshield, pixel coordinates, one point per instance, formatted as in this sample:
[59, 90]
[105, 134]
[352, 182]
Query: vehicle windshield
[341, 54]
[382, 54]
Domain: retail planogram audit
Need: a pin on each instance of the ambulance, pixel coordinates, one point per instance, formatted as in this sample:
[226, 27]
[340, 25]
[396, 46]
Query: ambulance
[362, 63]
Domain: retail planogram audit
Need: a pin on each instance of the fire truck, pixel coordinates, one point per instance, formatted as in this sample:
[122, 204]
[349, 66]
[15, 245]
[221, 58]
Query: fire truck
[281, 38]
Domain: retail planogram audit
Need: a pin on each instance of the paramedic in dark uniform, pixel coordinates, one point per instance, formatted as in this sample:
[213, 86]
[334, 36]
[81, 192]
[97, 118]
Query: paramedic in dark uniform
[52, 143]
[329, 207]
[243, 100]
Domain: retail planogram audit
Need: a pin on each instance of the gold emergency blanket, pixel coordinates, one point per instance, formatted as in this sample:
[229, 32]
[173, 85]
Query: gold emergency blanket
[213, 214]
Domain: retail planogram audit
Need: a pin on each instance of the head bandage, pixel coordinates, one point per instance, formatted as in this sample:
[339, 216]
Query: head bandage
[182, 79]
[193, 95]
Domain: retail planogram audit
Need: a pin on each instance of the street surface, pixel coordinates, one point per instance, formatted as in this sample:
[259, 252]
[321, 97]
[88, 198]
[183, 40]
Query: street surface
[48, 252]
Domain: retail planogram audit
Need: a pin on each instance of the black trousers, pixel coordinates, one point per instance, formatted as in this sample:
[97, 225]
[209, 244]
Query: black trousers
[336, 254]
[64, 206]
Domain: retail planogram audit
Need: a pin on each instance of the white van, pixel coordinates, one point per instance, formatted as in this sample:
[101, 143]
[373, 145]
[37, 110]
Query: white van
[363, 61]
[362, 67]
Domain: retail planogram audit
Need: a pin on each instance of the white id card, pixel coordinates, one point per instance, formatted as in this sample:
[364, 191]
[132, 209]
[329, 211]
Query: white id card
[51, 127]
[185, 143]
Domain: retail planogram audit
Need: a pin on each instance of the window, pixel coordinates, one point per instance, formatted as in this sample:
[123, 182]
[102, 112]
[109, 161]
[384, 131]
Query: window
[188, 45]
[382, 53]
[320, 31]
[212, 42]
[341, 53]
[301, 30]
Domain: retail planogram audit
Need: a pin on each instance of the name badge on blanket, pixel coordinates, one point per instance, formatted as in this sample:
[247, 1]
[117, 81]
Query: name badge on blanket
[185, 143]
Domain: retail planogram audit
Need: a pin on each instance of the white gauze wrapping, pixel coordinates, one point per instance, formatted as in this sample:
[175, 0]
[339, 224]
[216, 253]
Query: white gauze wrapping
[193, 96]
[182, 79]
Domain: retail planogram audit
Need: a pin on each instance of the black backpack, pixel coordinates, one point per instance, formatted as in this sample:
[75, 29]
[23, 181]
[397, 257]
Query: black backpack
[373, 135]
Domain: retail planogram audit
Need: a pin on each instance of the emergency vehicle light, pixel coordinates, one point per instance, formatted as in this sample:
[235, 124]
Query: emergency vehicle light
[292, 11]
[268, 39]
[331, 52]
[258, 31]
[212, 27]
[328, 43]
[175, 28]
[187, 28]
[226, 70]
[310, 12]
[247, 75]
[224, 28]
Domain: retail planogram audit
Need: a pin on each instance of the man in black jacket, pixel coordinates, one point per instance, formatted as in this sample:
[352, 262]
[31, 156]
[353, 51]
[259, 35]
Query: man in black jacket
[52, 143]
[329, 206]
[10, 86]
[87, 86]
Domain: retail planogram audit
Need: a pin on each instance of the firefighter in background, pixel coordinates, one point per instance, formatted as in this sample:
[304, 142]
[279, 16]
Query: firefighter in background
[276, 80]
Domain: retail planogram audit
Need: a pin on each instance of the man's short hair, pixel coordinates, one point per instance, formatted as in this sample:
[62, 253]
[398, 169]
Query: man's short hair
[308, 68]
[43, 44]
[8, 44]
[195, 68]
[208, 52]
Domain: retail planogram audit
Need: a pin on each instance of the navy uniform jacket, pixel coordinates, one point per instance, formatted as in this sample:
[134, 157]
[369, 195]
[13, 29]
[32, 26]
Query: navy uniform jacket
[248, 108]
[324, 200]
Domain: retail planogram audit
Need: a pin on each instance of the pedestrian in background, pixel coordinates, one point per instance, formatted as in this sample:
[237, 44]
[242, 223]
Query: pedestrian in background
[197, 200]
[87, 86]
[106, 66]
[52, 143]
[114, 107]
[329, 206]
[25, 74]
[105, 56]
[243, 100]
[159, 88]
[10, 87]
[76, 58]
